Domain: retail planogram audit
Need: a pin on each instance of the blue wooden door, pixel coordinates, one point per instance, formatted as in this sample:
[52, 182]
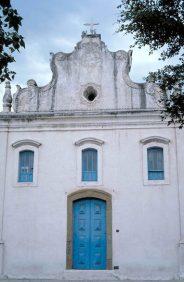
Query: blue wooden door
[89, 234]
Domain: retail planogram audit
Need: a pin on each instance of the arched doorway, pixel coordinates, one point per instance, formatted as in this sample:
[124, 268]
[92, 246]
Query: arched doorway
[89, 234]
[89, 230]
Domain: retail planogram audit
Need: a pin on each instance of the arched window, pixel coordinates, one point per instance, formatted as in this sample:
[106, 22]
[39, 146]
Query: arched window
[26, 162]
[89, 165]
[155, 163]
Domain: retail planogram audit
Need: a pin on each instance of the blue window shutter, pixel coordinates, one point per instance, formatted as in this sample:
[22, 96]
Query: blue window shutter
[26, 161]
[89, 165]
[155, 158]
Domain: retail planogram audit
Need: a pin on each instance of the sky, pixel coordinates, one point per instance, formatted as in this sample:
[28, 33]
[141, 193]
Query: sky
[56, 25]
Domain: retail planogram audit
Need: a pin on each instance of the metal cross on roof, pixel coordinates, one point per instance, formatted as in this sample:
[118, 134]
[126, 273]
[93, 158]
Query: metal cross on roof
[91, 25]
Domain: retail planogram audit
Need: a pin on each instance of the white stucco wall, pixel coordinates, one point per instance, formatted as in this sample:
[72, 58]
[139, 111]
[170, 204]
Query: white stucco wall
[3, 161]
[180, 168]
[147, 217]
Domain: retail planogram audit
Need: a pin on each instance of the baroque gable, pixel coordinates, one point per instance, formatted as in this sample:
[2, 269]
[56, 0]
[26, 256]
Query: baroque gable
[89, 78]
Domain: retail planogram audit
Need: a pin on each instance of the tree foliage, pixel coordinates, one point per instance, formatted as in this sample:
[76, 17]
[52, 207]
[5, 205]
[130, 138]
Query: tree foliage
[10, 39]
[160, 25]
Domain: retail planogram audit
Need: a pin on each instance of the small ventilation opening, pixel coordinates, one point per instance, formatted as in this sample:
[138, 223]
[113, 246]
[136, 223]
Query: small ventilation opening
[90, 94]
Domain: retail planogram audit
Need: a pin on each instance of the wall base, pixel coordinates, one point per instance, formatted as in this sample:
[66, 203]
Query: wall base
[1, 258]
[181, 259]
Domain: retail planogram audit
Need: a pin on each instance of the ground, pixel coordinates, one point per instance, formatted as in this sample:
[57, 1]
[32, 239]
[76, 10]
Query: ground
[58, 280]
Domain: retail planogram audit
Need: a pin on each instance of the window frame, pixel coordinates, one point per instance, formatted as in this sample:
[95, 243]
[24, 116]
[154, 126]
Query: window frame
[151, 150]
[25, 146]
[89, 143]
[20, 165]
[96, 156]
[161, 143]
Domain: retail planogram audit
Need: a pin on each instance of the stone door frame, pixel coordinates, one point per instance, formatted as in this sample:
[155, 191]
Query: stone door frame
[81, 194]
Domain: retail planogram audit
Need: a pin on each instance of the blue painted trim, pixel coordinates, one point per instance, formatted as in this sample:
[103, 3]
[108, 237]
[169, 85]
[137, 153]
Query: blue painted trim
[89, 234]
[26, 161]
[155, 157]
[89, 165]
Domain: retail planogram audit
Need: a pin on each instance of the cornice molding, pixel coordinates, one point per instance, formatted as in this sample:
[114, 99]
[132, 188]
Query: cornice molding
[77, 113]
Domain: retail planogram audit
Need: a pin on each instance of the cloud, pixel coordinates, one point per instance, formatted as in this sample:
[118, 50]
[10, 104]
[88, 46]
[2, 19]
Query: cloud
[64, 43]
[32, 64]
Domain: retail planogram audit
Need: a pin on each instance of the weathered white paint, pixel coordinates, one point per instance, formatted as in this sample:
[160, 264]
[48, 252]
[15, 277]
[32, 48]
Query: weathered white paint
[150, 218]
[91, 64]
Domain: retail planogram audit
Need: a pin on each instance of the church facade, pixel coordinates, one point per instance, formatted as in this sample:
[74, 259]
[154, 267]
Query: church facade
[91, 178]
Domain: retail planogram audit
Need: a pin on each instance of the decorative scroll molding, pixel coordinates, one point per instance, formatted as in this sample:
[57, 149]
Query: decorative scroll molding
[34, 98]
[155, 139]
[125, 73]
[26, 142]
[131, 83]
[89, 140]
